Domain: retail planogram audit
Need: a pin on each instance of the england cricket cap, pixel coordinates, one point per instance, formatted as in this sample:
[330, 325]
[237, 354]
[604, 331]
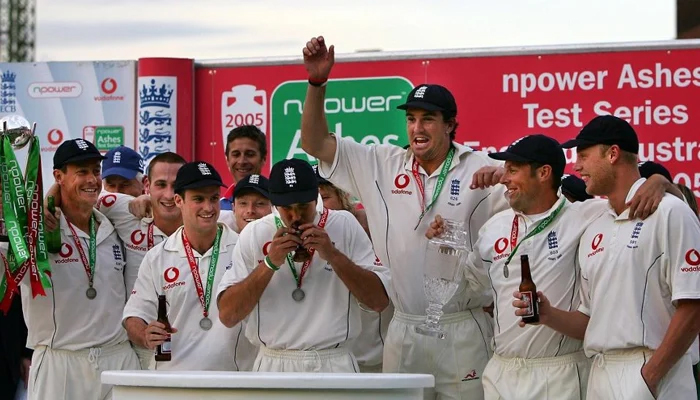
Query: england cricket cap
[292, 181]
[197, 174]
[74, 151]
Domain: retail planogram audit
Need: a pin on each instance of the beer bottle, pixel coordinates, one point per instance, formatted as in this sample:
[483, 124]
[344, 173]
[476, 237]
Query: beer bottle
[163, 351]
[528, 292]
[53, 238]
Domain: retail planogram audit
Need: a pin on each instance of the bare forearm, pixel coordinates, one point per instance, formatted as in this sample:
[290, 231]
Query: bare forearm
[681, 333]
[136, 330]
[570, 323]
[239, 300]
[363, 284]
[314, 127]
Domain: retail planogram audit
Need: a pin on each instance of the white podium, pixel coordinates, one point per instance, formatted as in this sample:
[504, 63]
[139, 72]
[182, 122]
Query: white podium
[210, 385]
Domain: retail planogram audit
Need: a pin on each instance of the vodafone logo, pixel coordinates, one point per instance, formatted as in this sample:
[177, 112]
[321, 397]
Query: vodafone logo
[108, 85]
[109, 200]
[596, 241]
[171, 274]
[66, 251]
[55, 137]
[500, 245]
[401, 181]
[692, 257]
[137, 237]
[266, 248]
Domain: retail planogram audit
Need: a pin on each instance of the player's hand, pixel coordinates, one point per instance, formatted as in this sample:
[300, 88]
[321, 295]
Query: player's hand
[284, 242]
[521, 308]
[318, 59]
[155, 334]
[486, 177]
[140, 207]
[314, 237]
[648, 197]
[437, 227]
[51, 221]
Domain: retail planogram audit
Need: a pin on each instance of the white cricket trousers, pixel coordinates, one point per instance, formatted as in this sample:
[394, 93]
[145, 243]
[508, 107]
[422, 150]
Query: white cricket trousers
[618, 376]
[146, 357]
[549, 378]
[330, 360]
[457, 362]
[73, 375]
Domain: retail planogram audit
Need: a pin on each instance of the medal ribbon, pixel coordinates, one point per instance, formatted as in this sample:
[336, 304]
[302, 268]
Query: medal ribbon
[89, 265]
[290, 261]
[204, 298]
[149, 237]
[438, 186]
[539, 228]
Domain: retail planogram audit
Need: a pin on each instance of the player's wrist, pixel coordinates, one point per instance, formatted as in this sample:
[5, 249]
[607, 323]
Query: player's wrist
[270, 264]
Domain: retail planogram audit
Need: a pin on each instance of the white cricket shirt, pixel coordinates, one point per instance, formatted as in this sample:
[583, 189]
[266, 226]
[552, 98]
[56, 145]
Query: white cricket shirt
[329, 315]
[552, 255]
[65, 318]
[165, 270]
[381, 177]
[633, 273]
[132, 231]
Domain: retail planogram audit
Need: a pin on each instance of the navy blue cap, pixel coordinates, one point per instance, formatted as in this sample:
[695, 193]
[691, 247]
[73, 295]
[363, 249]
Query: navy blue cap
[574, 187]
[122, 161]
[254, 182]
[292, 181]
[649, 168]
[431, 98]
[535, 148]
[609, 130]
[74, 151]
[197, 174]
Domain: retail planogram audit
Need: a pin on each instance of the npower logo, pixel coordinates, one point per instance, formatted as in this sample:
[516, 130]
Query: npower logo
[363, 109]
[50, 90]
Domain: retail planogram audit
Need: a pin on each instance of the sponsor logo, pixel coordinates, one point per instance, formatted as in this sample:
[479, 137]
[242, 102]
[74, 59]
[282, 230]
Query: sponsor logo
[499, 247]
[470, 376]
[51, 90]
[692, 258]
[108, 200]
[401, 182]
[173, 285]
[66, 251]
[105, 138]
[266, 248]
[109, 86]
[55, 138]
[137, 237]
[597, 239]
[171, 274]
[364, 108]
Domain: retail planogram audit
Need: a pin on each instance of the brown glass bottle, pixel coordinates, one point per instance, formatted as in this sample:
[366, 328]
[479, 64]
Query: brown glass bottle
[528, 292]
[163, 351]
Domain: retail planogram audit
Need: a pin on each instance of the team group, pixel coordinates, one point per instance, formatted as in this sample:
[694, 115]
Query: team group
[287, 274]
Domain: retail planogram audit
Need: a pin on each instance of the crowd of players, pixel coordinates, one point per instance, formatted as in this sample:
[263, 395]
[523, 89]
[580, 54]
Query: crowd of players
[320, 269]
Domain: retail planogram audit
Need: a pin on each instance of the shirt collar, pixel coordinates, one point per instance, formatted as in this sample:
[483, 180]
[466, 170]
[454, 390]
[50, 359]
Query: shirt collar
[174, 242]
[624, 215]
[530, 219]
[459, 151]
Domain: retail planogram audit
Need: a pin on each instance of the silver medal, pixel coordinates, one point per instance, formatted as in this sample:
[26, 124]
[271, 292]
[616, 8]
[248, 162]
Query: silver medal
[91, 293]
[505, 271]
[205, 323]
[298, 294]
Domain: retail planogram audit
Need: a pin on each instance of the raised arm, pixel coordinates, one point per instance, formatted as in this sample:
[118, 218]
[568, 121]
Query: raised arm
[315, 138]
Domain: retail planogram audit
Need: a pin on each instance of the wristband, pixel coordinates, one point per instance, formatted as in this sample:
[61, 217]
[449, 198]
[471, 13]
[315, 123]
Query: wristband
[317, 82]
[270, 265]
